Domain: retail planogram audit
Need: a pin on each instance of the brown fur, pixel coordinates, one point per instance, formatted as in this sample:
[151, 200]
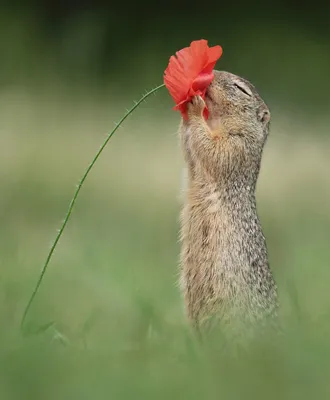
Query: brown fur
[224, 263]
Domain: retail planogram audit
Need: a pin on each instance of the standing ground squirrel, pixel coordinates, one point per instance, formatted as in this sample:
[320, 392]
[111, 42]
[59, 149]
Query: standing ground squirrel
[224, 263]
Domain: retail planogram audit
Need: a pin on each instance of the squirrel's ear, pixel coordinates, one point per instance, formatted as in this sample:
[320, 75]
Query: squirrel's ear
[263, 114]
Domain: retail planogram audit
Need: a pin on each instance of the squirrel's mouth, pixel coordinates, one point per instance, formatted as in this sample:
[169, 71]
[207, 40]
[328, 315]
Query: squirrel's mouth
[209, 102]
[208, 99]
[208, 96]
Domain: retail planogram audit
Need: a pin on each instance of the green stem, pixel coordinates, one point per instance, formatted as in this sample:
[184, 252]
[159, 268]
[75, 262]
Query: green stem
[74, 198]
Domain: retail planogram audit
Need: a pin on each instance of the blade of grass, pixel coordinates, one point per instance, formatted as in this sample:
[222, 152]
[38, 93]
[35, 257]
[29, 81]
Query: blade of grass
[73, 200]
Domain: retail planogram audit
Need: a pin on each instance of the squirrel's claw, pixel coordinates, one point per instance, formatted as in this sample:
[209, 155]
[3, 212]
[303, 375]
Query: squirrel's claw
[196, 107]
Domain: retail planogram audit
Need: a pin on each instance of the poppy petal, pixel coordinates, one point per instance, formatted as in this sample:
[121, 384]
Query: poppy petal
[190, 72]
[202, 81]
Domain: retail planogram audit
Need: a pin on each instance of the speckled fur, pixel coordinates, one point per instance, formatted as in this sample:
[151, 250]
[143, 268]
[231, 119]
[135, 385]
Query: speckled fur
[224, 264]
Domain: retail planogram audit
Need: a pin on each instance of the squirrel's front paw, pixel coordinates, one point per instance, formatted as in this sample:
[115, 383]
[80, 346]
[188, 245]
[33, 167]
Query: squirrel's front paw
[196, 107]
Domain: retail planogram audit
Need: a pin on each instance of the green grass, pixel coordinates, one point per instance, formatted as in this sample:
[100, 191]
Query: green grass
[111, 290]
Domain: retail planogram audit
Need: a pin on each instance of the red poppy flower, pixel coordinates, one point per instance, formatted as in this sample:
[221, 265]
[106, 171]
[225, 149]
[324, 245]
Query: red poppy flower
[190, 73]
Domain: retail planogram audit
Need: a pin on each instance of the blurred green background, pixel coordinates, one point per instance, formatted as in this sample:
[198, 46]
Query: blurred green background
[68, 71]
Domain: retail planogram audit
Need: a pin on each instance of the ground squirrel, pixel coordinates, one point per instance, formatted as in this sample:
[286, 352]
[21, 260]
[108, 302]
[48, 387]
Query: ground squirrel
[224, 263]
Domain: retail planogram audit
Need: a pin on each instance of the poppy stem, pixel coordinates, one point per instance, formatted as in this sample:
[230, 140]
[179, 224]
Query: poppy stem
[73, 200]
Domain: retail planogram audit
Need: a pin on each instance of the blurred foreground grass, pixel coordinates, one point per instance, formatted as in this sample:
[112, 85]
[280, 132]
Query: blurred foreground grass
[111, 286]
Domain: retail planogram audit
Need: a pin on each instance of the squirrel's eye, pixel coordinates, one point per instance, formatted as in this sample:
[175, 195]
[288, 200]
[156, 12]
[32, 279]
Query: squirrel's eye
[242, 89]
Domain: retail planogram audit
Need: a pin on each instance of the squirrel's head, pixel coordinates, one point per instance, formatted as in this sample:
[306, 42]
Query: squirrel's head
[239, 124]
[236, 107]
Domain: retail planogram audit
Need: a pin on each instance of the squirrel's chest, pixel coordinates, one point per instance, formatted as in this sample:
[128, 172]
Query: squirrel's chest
[201, 233]
[213, 239]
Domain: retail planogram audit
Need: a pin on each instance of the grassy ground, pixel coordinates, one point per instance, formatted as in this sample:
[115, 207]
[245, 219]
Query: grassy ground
[119, 330]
